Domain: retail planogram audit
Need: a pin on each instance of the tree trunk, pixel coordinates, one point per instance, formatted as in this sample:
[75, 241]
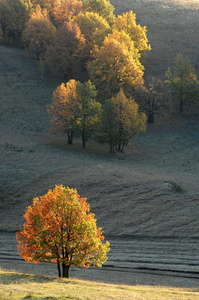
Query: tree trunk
[59, 269]
[70, 137]
[150, 117]
[83, 142]
[65, 270]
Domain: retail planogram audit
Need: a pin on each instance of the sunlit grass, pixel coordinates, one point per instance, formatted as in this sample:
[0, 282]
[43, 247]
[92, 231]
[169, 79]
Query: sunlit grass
[23, 286]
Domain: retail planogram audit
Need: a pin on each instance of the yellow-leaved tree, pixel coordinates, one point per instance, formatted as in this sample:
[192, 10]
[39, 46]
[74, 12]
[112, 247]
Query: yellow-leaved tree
[60, 228]
[115, 65]
[39, 32]
[137, 33]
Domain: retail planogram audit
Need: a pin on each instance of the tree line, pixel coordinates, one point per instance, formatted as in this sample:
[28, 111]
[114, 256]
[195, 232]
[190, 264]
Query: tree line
[101, 58]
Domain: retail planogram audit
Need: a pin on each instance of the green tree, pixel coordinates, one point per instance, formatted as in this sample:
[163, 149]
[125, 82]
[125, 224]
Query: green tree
[183, 81]
[103, 7]
[153, 99]
[41, 68]
[88, 111]
[39, 33]
[60, 228]
[120, 121]
[115, 65]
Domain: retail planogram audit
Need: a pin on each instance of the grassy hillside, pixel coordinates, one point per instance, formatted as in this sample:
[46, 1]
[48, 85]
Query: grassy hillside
[23, 286]
[146, 199]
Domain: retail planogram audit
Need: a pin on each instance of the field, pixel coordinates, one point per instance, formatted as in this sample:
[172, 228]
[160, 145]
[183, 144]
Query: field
[23, 286]
[146, 199]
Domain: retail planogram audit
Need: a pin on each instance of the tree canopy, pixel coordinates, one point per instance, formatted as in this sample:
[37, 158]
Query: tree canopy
[60, 228]
[115, 65]
[74, 110]
[39, 32]
[103, 7]
[65, 54]
[120, 121]
[183, 80]
[127, 22]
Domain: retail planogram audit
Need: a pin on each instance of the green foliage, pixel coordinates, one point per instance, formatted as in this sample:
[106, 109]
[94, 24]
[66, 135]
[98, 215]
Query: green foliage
[13, 16]
[103, 7]
[183, 81]
[153, 99]
[88, 111]
[41, 67]
[75, 111]
[120, 121]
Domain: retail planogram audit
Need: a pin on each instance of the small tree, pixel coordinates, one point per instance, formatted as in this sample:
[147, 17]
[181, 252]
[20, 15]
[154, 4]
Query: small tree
[60, 228]
[88, 112]
[153, 99]
[74, 110]
[120, 121]
[183, 81]
[63, 109]
[41, 68]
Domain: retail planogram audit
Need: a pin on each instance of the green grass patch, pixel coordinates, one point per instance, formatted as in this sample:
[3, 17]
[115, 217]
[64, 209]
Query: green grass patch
[24, 286]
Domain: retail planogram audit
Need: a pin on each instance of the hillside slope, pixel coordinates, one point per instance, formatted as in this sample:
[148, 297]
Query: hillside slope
[146, 199]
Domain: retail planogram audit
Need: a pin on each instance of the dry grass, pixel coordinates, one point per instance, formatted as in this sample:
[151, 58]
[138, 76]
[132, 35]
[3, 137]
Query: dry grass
[146, 199]
[21, 286]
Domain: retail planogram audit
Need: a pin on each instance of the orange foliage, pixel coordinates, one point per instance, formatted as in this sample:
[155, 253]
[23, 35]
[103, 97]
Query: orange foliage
[60, 228]
[65, 53]
[66, 10]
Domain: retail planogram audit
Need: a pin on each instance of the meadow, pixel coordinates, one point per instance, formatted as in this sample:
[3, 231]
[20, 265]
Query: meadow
[145, 199]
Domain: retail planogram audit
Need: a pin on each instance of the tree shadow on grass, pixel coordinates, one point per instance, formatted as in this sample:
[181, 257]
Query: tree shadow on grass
[12, 278]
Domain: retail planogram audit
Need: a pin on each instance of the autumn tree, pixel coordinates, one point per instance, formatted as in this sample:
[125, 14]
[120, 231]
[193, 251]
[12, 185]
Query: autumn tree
[183, 81]
[115, 65]
[49, 5]
[66, 10]
[94, 28]
[103, 7]
[74, 110]
[63, 109]
[66, 52]
[13, 16]
[120, 121]
[60, 228]
[138, 34]
[39, 32]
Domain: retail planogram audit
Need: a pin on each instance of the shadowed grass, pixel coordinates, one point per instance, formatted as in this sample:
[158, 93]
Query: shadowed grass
[23, 286]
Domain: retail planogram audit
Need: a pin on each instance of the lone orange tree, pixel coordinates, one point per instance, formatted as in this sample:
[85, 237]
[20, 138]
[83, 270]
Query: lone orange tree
[61, 229]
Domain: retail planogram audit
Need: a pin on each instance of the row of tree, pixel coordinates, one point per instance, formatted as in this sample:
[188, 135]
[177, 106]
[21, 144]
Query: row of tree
[76, 112]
